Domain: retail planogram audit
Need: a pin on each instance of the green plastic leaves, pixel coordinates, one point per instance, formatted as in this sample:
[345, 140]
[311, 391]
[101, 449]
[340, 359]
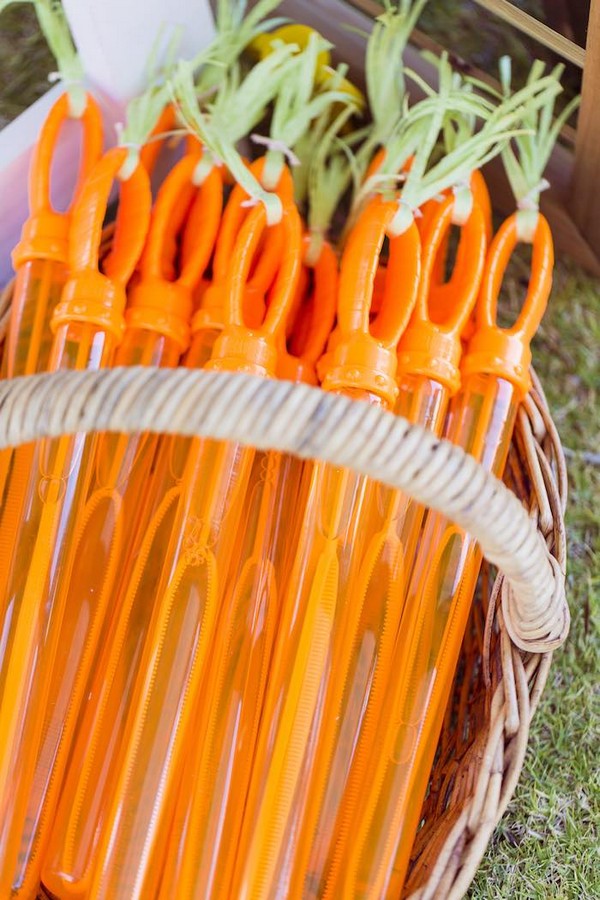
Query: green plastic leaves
[231, 114]
[525, 158]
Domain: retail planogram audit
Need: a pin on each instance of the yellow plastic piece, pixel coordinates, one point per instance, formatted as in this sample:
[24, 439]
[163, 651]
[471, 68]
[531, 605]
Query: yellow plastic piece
[262, 45]
[325, 74]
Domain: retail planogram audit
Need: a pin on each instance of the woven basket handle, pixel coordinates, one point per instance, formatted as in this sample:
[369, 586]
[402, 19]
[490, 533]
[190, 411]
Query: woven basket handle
[310, 423]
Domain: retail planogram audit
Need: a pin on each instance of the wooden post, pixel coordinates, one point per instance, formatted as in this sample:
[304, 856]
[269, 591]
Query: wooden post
[585, 204]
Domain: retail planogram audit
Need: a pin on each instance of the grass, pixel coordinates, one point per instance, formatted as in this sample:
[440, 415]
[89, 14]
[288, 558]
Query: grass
[547, 844]
[25, 61]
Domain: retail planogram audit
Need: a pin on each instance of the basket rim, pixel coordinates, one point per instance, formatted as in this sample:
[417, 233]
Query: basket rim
[312, 424]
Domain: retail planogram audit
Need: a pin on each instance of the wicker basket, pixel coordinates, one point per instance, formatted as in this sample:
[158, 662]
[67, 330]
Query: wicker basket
[519, 618]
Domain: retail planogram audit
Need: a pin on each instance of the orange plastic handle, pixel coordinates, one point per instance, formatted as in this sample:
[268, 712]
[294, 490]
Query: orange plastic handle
[505, 352]
[202, 228]
[160, 302]
[150, 151]
[431, 345]
[311, 321]
[265, 265]
[91, 148]
[237, 212]
[322, 307]
[89, 295]
[365, 352]
[481, 196]
[45, 234]
[379, 159]
[170, 252]
[200, 208]
[287, 275]
[466, 278]
[244, 347]
[359, 268]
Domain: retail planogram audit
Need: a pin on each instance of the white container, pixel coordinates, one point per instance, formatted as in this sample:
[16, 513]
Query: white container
[115, 39]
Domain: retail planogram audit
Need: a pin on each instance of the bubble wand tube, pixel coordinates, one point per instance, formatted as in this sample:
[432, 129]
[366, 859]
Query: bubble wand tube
[40, 258]
[156, 332]
[195, 567]
[428, 376]
[213, 790]
[323, 568]
[495, 375]
[88, 324]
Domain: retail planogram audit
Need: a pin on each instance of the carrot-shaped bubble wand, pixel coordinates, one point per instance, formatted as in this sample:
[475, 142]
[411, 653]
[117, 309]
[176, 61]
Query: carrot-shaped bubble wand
[40, 258]
[77, 826]
[370, 616]
[364, 368]
[88, 324]
[428, 355]
[495, 378]
[156, 333]
[190, 589]
[213, 790]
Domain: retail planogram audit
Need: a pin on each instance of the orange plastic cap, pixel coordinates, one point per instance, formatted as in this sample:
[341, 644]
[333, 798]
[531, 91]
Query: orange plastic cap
[506, 352]
[45, 234]
[211, 315]
[90, 295]
[365, 352]
[241, 348]
[158, 303]
[430, 347]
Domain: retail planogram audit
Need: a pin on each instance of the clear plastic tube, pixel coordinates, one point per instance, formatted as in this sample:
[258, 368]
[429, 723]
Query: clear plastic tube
[190, 577]
[41, 560]
[82, 810]
[213, 791]
[331, 541]
[362, 661]
[212, 796]
[37, 290]
[375, 855]
[85, 590]
[189, 582]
